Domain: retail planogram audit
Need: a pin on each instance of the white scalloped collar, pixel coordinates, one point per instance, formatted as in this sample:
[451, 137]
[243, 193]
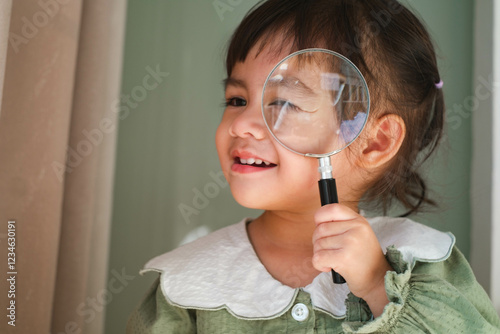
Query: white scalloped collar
[222, 270]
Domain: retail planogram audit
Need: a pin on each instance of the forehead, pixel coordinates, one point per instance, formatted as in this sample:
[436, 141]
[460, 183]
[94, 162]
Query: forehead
[304, 68]
[257, 65]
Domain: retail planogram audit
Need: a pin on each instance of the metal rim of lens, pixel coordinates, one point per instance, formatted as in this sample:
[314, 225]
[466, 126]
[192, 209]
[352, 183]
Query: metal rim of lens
[333, 53]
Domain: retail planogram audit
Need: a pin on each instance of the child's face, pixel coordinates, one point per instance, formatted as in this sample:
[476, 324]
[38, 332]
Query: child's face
[261, 173]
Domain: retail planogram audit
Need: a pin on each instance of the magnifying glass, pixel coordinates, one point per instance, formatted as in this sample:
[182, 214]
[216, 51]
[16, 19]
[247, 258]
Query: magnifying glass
[315, 103]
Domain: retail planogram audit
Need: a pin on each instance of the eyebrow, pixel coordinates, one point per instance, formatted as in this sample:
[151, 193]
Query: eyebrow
[289, 82]
[233, 82]
[292, 83]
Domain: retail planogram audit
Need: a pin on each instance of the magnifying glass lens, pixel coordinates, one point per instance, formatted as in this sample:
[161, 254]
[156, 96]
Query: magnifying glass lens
[315, 102]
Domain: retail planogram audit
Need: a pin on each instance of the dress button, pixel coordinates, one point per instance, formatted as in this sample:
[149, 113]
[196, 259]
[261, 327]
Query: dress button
[300, 312]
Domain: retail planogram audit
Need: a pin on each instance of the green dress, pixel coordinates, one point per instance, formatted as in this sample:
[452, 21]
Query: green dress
[217, 284]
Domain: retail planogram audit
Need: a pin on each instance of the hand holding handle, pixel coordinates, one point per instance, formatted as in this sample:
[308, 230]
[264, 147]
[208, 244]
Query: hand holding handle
[328, 194]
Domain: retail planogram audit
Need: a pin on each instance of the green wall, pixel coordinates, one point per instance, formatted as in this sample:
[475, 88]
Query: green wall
[166, 154]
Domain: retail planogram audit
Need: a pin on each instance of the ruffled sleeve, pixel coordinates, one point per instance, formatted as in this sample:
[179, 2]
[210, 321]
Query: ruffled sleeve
[155, 315]
[431, 297]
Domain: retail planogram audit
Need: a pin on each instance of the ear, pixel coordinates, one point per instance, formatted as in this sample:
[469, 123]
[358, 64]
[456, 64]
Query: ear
[384, 138]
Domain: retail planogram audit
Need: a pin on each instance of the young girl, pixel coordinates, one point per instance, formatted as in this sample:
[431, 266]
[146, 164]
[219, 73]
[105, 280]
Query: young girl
[272, 274]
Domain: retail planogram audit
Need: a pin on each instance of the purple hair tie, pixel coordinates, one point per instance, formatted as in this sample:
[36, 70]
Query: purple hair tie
[439, 85]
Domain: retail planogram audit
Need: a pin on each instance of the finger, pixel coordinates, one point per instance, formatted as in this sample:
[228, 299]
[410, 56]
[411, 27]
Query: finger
[328, 229]
[325, 260]
[334, 212]
[327, 243]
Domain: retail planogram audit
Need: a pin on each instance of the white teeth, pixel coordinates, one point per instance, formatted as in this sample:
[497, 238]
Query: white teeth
[251, 161]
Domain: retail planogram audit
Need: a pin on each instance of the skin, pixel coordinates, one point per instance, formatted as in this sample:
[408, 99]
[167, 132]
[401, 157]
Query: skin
[295, 238]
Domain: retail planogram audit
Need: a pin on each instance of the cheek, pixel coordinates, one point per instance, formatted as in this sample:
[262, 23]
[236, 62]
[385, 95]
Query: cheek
[222, 138]
[344, 162]
[347, 176]
[222, 143]
[218, 139]
[303, 175]
[300, 173]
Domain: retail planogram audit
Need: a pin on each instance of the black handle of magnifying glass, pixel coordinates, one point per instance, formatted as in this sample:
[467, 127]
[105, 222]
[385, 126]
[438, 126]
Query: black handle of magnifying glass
[328, 194]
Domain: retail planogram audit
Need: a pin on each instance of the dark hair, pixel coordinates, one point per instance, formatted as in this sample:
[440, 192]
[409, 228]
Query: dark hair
[392, 49]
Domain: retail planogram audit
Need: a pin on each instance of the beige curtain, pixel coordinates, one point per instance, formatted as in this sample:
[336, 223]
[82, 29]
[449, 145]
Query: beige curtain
[60, 65]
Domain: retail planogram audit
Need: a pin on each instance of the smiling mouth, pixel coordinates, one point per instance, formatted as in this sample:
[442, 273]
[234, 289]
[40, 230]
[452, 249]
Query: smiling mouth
[254, 162]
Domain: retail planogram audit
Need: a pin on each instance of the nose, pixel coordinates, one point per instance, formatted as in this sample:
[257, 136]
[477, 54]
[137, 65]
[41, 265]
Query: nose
[249, 123]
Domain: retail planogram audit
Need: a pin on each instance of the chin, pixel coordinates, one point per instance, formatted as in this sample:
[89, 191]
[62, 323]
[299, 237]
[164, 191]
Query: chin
[261, 200]
[250, 201]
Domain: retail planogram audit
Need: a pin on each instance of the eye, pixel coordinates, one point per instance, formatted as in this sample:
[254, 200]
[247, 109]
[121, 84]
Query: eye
[284, 104]
[235, 102]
